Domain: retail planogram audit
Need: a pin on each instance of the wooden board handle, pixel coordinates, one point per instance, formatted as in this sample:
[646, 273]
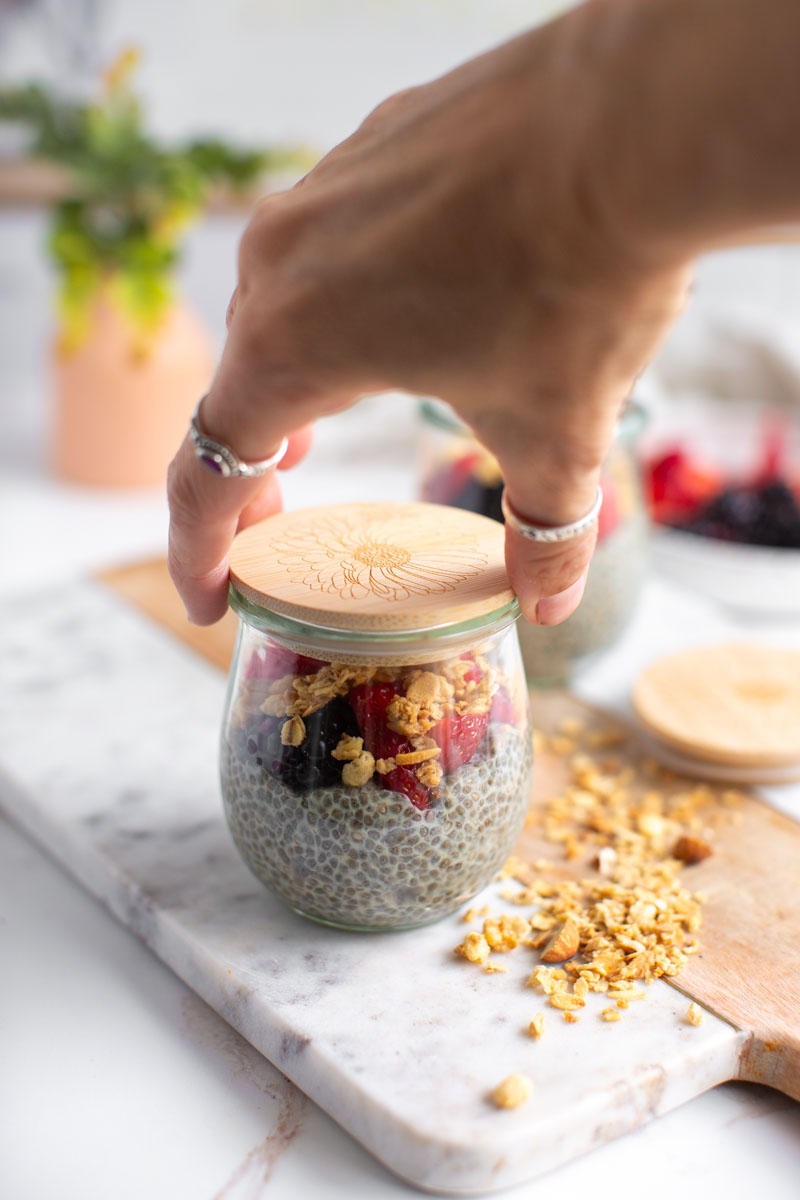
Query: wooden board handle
[748, 970]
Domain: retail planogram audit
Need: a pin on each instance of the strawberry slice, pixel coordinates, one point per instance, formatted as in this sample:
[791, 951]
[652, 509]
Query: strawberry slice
[459, 736]
[273, 661]
[369, 702]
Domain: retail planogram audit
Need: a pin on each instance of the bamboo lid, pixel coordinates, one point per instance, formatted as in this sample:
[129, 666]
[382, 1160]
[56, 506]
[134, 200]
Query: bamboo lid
[377, 567]
[738, 705]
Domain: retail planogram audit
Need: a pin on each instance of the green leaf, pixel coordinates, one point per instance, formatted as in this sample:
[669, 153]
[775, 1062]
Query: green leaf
[131, 198]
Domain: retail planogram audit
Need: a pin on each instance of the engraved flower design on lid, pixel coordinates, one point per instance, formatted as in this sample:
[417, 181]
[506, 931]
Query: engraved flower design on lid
[355, 558]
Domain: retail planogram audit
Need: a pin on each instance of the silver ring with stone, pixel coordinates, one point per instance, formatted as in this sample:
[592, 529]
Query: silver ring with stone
[218, 457]
[550, 533]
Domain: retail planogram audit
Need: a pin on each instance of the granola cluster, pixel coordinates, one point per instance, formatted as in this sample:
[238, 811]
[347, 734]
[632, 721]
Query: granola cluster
[460, 688]
[429, 694]
[630, 921]
[301, 695]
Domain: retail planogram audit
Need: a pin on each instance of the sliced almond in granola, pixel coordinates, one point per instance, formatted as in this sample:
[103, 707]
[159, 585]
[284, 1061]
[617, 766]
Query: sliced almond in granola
[412, 757]
[563, 943]
[293, 732]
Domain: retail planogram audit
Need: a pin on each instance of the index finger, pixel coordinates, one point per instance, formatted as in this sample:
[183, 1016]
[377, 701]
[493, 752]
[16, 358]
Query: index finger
[204, 517]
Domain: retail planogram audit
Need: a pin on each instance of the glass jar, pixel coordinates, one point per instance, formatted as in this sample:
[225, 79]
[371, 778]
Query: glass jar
[457, 470]
[376, 750]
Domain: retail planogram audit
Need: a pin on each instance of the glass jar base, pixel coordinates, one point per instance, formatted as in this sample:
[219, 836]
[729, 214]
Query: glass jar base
[346, 927]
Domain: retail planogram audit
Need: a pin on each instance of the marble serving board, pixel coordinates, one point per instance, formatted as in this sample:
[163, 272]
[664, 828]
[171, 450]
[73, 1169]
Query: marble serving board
[108, 759]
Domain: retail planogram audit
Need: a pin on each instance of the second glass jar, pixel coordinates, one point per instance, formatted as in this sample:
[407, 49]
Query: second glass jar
[458, 471]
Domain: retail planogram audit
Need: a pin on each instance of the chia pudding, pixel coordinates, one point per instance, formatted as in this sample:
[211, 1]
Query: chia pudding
[389, 804]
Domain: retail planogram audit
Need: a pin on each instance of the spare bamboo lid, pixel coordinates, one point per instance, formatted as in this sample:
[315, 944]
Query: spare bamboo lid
[374, 567]
[736, 705]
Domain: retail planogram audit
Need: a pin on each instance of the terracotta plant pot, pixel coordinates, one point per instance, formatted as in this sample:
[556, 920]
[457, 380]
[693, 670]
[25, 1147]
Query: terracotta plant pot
[120, 415]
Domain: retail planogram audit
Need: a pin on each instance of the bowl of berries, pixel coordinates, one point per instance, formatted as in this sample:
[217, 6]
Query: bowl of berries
[722, 483]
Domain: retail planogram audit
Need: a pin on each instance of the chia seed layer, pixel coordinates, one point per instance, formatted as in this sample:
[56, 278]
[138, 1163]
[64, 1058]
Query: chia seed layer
[367, 858]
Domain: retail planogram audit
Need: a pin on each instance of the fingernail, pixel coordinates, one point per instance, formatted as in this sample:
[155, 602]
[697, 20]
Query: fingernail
[551, 610]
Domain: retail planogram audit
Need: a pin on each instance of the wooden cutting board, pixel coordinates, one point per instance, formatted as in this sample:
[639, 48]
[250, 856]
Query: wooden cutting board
[748, 970]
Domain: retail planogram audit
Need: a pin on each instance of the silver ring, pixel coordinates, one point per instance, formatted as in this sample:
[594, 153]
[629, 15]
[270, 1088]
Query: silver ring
[222, 460]
[551, 533]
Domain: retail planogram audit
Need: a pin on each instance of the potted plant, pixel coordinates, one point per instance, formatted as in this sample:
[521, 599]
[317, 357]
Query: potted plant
[130, 359]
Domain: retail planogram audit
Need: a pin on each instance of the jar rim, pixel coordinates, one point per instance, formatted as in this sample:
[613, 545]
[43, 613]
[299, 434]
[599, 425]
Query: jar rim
[379, 643]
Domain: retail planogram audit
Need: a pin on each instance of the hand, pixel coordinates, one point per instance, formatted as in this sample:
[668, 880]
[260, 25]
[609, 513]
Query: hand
[455, 246]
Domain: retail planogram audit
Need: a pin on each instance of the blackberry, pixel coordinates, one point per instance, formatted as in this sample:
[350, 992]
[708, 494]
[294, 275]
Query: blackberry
[764, 516]
[778, 522]
[309, 765]
[730, 516]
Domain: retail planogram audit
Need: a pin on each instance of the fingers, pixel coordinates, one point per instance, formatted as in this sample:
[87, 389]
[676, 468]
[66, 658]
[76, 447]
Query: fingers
[549, 579]
[263, 505]
[263, 391]
[206, 511]
[204, 515]
[551, 476]
[298, 448]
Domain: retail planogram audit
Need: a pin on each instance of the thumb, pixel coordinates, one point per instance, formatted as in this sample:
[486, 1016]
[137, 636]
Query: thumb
[548, 577]
[551, 480]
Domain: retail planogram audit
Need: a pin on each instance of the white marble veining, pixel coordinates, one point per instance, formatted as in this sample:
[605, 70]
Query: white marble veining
[108, 740]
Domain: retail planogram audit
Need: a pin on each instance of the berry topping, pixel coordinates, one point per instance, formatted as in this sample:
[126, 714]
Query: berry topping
[459, 735]
[765, 516]
[310, 764]
[369, 702]
[273, 661]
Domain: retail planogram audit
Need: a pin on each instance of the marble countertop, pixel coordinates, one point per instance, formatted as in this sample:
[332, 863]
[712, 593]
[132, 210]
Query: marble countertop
[117, 1080]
